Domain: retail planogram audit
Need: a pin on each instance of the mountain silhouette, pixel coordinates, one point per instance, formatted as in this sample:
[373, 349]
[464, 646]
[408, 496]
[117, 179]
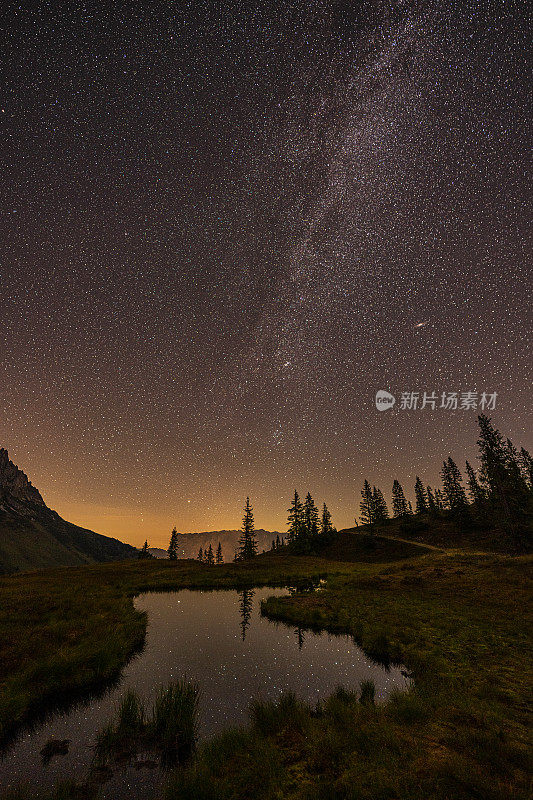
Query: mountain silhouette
[34, 536]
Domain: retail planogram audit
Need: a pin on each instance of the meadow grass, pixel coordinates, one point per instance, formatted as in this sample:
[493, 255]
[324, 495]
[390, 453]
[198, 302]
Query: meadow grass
[458, 620]
[169, 731]
[67, 632]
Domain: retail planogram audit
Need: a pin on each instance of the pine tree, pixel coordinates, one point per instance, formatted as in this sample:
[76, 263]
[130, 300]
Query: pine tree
[326, 526]
[381, 512]
[248, 540]
[526, 462]
[144, 552]
[492, 454]
[500, 474]
[452, 483]
[310, 517]
[210, 557]
[219, 557]
[295, 519]
[432, 504]
[366, 506]
[173, 545]
[440, 500]
[278, 542]
[273, 545]
[517, 481]
[399, 503]
[421, 498]
[200, 555]
[474, 489]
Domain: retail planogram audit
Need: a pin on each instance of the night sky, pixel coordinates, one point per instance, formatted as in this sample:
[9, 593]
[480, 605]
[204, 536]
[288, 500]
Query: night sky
[223, 225]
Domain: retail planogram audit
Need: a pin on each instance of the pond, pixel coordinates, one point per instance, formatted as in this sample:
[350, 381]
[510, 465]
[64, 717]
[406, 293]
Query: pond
[220, 640]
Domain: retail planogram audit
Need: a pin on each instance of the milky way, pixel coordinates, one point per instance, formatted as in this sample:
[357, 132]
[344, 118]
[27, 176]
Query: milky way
[226, 228]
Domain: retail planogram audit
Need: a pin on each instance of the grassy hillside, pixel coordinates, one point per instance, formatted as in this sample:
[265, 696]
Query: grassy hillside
[456, 618]
[34, 536]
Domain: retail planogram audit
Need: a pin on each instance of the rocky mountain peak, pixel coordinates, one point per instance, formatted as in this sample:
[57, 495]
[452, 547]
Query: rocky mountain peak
[15, 483]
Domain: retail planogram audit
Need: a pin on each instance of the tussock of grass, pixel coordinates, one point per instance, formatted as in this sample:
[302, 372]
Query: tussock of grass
[170, 729]
[270, 716]
[236, 764]
[174, 720]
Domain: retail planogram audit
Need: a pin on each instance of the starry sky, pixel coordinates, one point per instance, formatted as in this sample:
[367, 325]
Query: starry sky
[222, 227]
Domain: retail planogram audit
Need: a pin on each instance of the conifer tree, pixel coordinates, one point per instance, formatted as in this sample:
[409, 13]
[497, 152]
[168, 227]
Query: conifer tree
[325, 522]
[219, 557]
[452, 483]
[366, 506]
[474, 489]
[310, 516]
[381, 512]
[517, 480]
[526, 462]
[210, 557]
[200, 555]
[399, 503]
[432, 505]
[144, 552]
[273, 545]
[440, 500]
[248, 540]
[173, 545]
[278, 542]
[492, 454]
[295, 519]
[420, 496]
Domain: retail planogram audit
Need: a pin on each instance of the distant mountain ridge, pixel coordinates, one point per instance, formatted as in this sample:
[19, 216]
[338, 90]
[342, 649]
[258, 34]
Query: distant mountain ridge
[33, 536]
[189, 543]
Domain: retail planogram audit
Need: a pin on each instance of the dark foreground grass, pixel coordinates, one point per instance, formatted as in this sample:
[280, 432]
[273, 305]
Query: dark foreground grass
[168, 732]
[69, 631]
[459, 621]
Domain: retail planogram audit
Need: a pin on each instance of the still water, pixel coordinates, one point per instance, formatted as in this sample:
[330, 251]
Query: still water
[220, 640]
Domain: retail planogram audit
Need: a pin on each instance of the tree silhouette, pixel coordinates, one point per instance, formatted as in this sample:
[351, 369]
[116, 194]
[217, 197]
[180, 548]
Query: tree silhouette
[474, 489]
[526, 463]
[453, 487]
[493, 473]
[173, 545]
[310, 517]
[248, 540]
[295, 518]
[379, 506]
[366, 506]
[326, 525]
[432, 503]
[200, 555]
[144, 552]
[210, 558]
[440, 500]
[420, 496]
[399, 503]
[219, 558]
